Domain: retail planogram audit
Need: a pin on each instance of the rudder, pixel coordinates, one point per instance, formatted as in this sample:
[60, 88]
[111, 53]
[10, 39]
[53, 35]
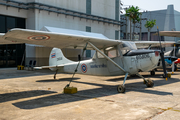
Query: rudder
[57, 58]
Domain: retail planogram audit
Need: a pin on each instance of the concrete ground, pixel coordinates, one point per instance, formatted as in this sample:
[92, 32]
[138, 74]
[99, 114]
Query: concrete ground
[35, 95]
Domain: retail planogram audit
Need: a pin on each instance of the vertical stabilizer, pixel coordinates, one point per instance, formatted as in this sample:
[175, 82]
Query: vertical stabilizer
[57, 58]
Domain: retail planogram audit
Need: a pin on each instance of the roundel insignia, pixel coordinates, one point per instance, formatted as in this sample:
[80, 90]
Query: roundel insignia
[84, 68]
[39, 37]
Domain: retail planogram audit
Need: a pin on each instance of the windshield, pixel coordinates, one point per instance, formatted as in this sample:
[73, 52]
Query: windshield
[127, 46]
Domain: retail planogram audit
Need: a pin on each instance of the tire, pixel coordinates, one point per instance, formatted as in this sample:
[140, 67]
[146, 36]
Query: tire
[149, 83]
[153, 72]
[121, 89]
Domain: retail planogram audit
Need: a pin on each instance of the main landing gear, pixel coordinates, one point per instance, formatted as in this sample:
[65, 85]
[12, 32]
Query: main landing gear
[148, 82]
[121, 88]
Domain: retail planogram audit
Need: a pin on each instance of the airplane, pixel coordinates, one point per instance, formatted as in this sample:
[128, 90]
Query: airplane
[168, 58]
[176, 50]
[112, 57]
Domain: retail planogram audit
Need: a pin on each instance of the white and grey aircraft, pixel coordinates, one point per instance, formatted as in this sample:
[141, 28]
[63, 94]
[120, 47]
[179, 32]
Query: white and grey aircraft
[112, 57]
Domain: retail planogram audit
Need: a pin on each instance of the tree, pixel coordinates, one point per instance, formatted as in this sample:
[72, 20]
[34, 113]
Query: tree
[134, 17]
[149, 25]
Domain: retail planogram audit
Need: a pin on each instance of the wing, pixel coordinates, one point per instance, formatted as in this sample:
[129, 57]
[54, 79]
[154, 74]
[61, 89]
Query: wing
[2, 41]
[58, 40]
[146, 44]
[170, 33]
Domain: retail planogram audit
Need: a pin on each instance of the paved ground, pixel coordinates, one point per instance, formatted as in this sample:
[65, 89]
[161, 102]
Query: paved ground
[35, 95]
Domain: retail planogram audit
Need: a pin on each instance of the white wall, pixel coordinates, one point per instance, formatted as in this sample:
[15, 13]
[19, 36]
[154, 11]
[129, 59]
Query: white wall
[10, 11]
[36, 19]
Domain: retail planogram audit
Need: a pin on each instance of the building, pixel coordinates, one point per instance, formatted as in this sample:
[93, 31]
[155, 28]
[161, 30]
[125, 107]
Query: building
[166, 20]
[97, 16]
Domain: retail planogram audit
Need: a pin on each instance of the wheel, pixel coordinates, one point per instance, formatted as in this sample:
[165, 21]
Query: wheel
[149, 83]
[153, 72]
[163, 76]
[121, 89]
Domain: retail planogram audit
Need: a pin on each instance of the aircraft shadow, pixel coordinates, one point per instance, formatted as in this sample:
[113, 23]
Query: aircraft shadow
[57, 80]
[135, 77]
[24, 73]
[104, 90]
[26, 94]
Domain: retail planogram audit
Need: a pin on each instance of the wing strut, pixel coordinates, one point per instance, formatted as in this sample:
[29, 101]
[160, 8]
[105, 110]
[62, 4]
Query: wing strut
[79, 57]
[106, 57]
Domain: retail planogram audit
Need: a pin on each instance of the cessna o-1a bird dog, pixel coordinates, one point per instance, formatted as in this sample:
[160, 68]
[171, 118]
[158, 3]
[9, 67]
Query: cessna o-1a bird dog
[112, 57]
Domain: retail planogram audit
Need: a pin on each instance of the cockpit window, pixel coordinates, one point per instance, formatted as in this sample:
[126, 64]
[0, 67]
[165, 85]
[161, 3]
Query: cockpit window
[111, 52]
[127, 46]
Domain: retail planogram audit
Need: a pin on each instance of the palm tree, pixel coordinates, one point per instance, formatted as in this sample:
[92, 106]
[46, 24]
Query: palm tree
[149, 25]
[133, 14]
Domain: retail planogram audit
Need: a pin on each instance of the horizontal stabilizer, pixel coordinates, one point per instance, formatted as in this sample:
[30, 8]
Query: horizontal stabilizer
[45, 67]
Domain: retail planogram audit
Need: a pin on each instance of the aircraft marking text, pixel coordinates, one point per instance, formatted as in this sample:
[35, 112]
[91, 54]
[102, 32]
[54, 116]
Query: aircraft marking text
[60, 58]
[143, 56]
[99, 66]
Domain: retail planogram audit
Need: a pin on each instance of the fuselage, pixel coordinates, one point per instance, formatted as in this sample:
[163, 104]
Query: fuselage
[133, 62]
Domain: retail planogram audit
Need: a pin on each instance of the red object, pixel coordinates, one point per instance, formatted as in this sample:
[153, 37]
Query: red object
[156, 53]
[177, 61]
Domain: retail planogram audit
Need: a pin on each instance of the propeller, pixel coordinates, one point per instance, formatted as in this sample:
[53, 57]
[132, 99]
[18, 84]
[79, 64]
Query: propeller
[173, 60]
[162, 57]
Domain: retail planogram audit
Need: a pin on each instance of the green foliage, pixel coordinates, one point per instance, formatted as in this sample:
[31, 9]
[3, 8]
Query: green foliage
[133, 14]
[150, 24]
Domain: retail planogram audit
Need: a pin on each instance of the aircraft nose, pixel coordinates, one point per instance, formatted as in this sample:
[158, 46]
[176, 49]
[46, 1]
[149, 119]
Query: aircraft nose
[156, 56]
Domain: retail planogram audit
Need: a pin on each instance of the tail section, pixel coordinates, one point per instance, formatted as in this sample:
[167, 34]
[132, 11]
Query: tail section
[57, 58]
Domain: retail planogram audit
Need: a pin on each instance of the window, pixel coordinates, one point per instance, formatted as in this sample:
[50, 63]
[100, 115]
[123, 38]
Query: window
[11, 55]
[8, 22]
[11, 23]
[112, 52]
[88, 52]
[88, 7]
[116, 35]
[3, 24]
[117, 10]
[88, 29]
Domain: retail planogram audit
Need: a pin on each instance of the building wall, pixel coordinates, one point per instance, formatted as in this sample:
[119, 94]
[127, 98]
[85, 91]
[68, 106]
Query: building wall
[166, 20]
[36, 19]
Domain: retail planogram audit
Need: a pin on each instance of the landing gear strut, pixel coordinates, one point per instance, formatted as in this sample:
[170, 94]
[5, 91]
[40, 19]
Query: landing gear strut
[148, 82]
[121, 88]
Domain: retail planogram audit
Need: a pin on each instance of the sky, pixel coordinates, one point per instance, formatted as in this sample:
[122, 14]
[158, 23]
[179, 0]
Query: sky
[151, 5]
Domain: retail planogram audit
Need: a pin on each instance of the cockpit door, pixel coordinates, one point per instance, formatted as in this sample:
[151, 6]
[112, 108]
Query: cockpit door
[114, 54]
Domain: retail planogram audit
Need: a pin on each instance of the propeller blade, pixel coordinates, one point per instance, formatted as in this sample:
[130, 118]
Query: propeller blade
[173, 59]
[172, 67]
[162, 57]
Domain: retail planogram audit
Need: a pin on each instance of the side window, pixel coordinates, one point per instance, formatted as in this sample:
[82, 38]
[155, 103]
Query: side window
[112, 53]
[99, 55]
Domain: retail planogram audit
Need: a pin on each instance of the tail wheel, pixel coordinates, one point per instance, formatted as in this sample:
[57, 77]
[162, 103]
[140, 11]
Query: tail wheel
[149, 83]
[121, 89]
